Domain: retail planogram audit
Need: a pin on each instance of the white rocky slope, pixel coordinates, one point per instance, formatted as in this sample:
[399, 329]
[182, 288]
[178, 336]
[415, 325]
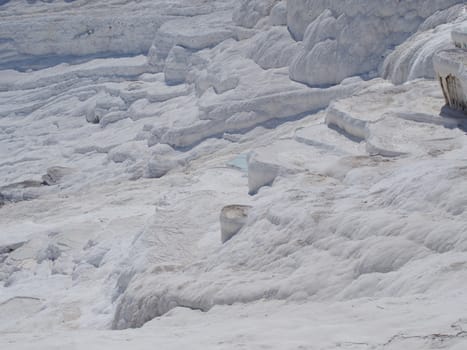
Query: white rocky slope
[115, 165]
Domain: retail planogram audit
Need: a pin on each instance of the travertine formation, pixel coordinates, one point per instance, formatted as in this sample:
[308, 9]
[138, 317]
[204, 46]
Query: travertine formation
[126, 127]
[450, 67]
[233, 218]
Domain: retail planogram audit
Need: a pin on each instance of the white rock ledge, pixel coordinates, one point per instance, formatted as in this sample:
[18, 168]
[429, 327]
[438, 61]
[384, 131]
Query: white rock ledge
[354, 127]
[450, 69]
[411, 123]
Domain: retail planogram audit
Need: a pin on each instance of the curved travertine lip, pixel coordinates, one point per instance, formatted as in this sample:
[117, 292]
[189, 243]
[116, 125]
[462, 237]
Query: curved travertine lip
[233, 218]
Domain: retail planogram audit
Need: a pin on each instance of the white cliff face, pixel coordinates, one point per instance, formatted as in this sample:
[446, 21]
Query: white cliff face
[176, 173]
[343, 39]
[414, 58]
[450, 67]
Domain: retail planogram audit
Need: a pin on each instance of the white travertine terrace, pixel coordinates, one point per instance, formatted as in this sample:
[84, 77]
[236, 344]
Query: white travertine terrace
[329, 30]
[126, 126]
[450, 67]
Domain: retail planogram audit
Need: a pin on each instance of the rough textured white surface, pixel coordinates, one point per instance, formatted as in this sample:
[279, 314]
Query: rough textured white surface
[410, 122]
[112, 179]
[279, 14]
[414, 58]
[85, 28]
[274, 48]
[248, 12]
[343, 39]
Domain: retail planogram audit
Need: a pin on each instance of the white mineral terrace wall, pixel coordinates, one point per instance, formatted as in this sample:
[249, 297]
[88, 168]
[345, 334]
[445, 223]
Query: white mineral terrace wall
[450, 68]
[330, 29]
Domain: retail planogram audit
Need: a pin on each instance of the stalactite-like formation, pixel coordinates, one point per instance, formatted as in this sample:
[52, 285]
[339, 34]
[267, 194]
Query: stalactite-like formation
[450, 67]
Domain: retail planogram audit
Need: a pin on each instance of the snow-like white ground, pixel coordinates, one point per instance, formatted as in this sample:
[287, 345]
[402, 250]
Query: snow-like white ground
[126, 127]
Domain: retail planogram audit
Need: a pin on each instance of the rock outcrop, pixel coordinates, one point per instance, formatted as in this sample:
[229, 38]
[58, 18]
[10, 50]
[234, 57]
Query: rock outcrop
[346, 38]
[450, 67]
